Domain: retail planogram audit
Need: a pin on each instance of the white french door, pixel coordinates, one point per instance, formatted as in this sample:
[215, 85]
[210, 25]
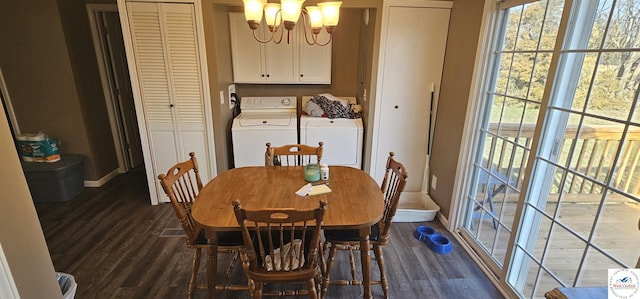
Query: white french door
[554, 188]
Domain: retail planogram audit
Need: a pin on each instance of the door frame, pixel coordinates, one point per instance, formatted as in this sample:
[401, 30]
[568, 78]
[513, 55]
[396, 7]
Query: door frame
[8, 288]
[111, 99]
[4, 96]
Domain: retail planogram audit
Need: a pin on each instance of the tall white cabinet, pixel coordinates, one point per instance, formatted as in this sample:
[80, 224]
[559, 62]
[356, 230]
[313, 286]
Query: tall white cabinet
[410, 67]
[164, 44]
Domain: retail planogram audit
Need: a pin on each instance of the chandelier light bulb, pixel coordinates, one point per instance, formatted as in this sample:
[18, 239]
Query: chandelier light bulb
[330, 12]
[271, 14]
[291, 10]
[253, 10]
[315, 16]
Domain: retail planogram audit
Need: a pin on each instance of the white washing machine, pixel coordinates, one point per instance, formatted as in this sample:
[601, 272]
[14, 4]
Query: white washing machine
[262, 120]
[342, 137]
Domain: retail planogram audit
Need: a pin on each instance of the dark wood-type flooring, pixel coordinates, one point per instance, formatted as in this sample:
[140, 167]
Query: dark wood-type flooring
[111, 240]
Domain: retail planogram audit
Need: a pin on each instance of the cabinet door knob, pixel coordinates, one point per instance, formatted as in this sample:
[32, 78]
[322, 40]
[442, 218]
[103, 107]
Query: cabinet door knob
[396, 106]
[301, 75]
[262, 75]
[171, 105]
[267, 75]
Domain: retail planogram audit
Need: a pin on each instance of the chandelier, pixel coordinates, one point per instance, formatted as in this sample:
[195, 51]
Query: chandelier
[288, 12]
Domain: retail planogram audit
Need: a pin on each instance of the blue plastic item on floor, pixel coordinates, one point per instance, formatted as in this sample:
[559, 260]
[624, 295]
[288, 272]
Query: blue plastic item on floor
[432, 239]
[423, 233]
[440, 244]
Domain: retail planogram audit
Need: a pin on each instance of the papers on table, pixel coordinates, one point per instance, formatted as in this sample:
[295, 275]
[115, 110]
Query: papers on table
[308, 190]
[319, 189]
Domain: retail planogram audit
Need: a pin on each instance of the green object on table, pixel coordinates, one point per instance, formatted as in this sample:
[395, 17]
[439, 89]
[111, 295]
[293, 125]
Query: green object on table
[312, 172]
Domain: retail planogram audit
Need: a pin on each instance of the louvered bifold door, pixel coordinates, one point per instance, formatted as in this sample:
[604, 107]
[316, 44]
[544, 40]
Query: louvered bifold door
[181, 44]
[166, 55]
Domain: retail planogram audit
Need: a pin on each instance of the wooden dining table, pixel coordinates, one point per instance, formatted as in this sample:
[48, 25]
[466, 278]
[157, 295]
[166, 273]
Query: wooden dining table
[355, 202]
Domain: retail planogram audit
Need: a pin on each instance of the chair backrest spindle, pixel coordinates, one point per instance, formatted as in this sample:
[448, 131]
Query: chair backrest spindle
[286, 240]
[395, 178]
[182, 183]
[293, 154]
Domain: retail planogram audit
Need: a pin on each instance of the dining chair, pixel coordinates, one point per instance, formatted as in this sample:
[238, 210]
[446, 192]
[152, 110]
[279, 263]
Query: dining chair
[182, 183]
[281, 245]
[393, 183]
[293, 154]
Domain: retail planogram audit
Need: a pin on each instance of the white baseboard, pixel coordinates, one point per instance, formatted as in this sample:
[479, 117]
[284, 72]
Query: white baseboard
[444, 221]
[103, 180]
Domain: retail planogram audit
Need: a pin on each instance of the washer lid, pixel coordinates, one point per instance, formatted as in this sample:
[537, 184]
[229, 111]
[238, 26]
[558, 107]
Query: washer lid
[253, 119]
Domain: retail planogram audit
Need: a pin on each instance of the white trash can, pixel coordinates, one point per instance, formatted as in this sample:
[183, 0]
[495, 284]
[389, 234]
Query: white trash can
[67, 284]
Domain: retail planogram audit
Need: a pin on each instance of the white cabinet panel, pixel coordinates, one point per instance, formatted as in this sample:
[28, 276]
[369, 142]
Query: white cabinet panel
[414, 44]
[280, 60]
[315, 61]
[247, 55]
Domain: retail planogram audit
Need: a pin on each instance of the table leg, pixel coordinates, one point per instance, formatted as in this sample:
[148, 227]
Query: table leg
[212, 263]
[366, 261]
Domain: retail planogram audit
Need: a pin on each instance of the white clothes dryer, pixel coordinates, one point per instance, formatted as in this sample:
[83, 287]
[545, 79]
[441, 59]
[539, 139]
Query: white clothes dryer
[342, 137]
[262, 120]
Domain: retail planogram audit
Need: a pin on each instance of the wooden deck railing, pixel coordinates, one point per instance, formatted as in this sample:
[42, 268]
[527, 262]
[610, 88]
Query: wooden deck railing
[595, 149]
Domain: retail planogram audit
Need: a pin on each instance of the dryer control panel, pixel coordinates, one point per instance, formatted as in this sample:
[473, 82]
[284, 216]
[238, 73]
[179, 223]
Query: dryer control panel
[283, 103]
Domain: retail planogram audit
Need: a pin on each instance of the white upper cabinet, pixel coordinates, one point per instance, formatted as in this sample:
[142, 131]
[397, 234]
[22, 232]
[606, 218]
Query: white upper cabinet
[315, 61]
[270, 63]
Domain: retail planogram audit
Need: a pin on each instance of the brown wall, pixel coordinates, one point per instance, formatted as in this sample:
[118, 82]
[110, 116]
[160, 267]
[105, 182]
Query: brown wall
[51, 73]
[101, 149]
[459, 60]
[365, 77]
[21, 237]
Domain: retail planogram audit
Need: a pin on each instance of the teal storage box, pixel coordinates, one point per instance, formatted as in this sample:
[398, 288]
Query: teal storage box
[56, 181]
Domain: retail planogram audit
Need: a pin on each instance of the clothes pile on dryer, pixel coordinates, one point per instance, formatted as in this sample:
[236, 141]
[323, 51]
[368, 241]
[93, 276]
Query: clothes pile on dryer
[327, 105]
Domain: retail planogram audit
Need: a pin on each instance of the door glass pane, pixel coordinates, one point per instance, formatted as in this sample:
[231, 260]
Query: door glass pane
[627, 171]
[569, 142]
[536, 244]
[636, 115]
[562, 244]
[520, 77]
[584, 65]
[604, 140]
[595, 267]
[616, 229]
[623, 26]
[500, 248]
[614, 86]
[578, 211]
